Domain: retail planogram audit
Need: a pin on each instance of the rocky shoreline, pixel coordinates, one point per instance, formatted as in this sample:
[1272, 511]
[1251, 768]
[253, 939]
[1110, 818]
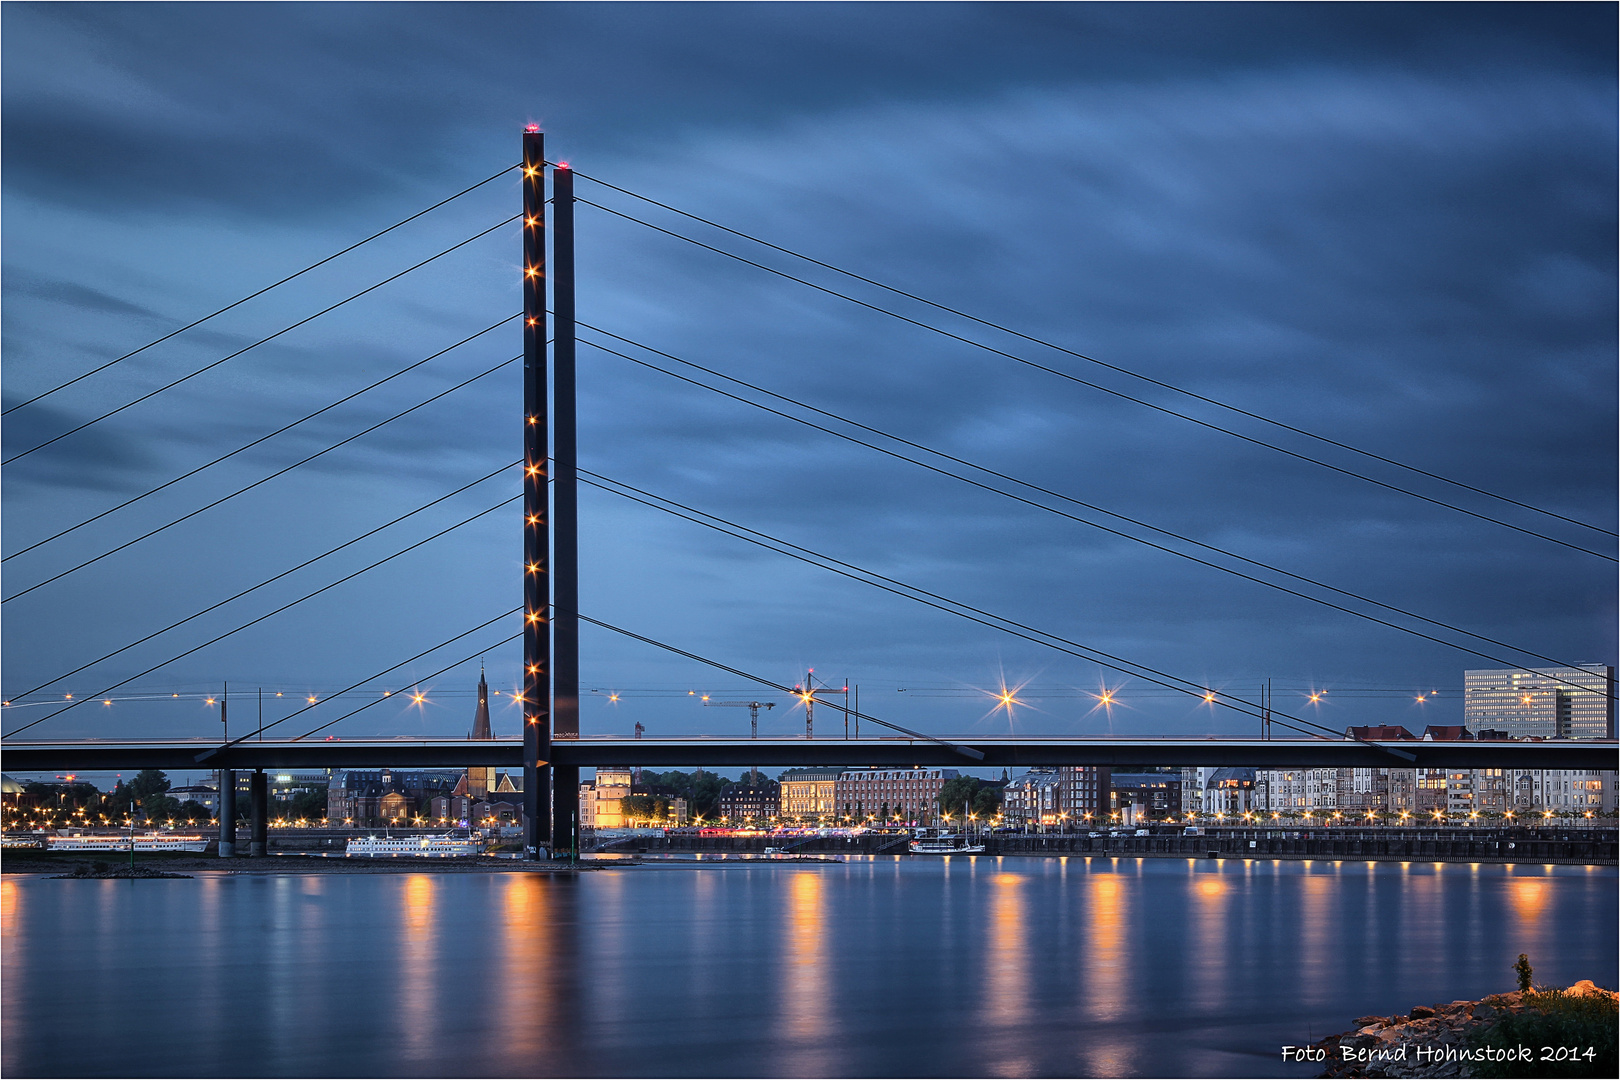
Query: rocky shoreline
[102, 871]
[1431, 1040]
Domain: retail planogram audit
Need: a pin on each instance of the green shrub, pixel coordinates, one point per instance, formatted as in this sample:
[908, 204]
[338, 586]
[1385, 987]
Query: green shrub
[1554, 1019]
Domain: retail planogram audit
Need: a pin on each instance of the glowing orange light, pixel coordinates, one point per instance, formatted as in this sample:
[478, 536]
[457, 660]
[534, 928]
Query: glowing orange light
[534, 669]
[531, 221]
[210, 701]
[68, 697]
[534, 568]
[533, 616]
[530, 271]
[311, 699]
[613, 697]
[530, 171]
[1315, 698]
[418, 698]
[106, 701]
[174, 695]
[1209, 697]
[532, 420]
[1421, 699]
[534, 519]
[532, 469]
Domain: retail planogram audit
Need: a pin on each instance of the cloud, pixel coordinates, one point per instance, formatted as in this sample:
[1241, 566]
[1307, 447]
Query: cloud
[1381, 224]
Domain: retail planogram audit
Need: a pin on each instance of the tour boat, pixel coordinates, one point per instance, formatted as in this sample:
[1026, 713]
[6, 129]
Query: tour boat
[146, 842]
[416, 846]
[945, 845]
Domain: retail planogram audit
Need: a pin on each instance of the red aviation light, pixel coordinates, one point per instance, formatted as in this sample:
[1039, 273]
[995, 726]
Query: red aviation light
[562, 164]
[532, 129]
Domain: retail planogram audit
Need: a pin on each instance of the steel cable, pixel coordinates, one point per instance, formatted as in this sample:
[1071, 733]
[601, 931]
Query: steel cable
[261, 292]
[269, 580]
[260, 439]
[264, 480]
[1104, 389]
[1061, 513]
[935, 600]
[262, 618]
[261, 341]
[1089, 359]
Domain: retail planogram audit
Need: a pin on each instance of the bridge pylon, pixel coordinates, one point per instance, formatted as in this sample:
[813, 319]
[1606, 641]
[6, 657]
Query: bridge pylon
[537, 670]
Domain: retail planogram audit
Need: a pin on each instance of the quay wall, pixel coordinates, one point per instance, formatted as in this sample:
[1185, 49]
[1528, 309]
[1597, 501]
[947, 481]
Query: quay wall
[1581, 846]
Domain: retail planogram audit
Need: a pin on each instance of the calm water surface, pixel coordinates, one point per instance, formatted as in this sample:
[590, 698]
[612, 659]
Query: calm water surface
[893, 967]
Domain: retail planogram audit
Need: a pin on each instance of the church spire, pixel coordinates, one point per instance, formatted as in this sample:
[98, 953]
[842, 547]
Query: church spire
[481, 778]
[481, 728]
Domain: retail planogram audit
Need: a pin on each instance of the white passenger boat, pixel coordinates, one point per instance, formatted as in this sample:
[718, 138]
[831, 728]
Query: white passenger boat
[143, 842]
[945, 845]
[429, 847]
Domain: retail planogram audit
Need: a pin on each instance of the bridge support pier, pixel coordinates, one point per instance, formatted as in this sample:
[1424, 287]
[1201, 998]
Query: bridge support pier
[259, 803]
[227, 813]
[564, 810]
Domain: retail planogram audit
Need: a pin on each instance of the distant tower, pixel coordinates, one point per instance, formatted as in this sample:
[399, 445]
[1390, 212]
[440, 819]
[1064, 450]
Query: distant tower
[481, 778]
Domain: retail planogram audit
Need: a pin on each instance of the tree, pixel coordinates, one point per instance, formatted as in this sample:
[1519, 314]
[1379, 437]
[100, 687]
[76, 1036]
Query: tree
[309, 805]
[987, 802]
[160, 808]
[644, 807]
[701, 790]
[957, 792]
[148, 782]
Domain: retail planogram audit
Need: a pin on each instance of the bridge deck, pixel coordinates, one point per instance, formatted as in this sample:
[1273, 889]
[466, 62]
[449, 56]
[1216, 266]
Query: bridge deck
[999, 752]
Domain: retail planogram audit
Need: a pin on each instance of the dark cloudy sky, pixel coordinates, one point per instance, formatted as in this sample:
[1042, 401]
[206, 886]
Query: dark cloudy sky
[1389, 225]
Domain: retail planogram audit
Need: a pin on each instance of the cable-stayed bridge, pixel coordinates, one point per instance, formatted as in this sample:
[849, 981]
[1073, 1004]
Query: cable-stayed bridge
[1006, 751]
[548, 618]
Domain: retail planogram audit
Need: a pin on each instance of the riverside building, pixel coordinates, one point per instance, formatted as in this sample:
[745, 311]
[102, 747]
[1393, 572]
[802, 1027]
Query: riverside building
[750, 799]
[809, 794]
[600, 805]
[1086, 792]
[909, 795]
[1036, 798]
[1563, 703]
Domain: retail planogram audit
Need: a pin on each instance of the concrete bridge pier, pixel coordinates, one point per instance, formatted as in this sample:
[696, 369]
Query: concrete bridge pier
[564, 810]
[227, 813]
[259, 803]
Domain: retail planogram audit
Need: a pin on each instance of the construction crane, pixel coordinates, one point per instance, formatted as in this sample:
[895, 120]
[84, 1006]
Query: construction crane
[807, 694]
[753, 708]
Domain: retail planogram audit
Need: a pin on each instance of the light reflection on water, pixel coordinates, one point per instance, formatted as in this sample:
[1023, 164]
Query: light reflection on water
[1030, 967]
[418, 968]
[1008, 973]
[804, 979]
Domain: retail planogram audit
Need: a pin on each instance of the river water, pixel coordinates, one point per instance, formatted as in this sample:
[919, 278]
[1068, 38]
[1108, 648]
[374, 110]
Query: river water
[885, 967]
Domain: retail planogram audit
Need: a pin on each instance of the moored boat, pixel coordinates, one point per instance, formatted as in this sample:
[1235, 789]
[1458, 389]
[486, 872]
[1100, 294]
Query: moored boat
[429, 847]
[945, 845]
[142, 842]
